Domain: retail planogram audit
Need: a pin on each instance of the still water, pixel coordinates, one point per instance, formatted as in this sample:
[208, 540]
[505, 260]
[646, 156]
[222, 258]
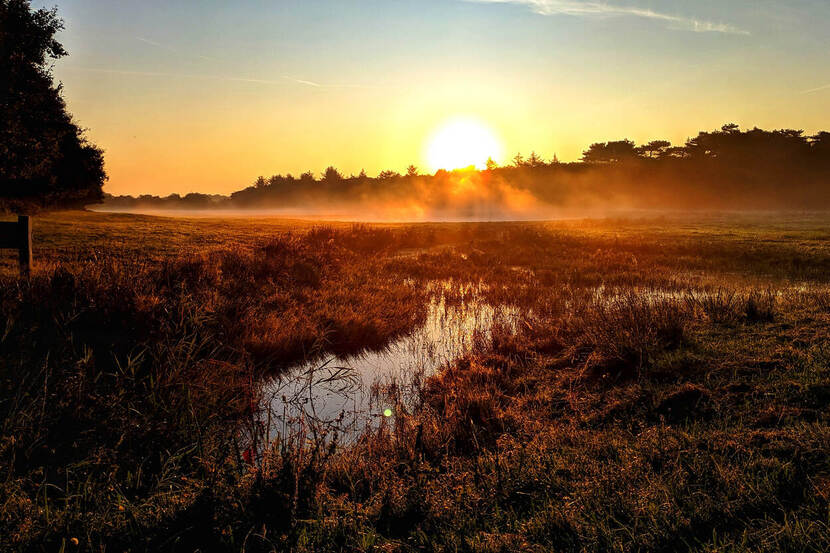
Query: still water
[347, 394]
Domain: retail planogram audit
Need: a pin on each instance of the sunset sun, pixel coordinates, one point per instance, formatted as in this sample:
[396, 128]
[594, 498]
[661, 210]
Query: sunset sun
[462, 142]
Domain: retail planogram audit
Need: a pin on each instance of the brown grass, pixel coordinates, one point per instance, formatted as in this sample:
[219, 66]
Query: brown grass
[666, 388]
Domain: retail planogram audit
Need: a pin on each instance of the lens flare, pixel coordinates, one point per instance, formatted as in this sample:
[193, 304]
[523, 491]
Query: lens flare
[462, 142]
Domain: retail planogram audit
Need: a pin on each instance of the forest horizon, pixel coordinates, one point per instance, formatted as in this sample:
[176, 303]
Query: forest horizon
[725, 169]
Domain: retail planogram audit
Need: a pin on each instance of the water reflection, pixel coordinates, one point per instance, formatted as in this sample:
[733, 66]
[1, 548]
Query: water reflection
[348, 393]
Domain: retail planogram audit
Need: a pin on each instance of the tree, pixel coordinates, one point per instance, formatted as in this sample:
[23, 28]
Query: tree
[260, 182]
[674, 152]
[332, 175]
[411, 171]
[388, 175]
[653, 149]
[609, 152]
[491, 164]
[534, 160]
[45, 160]
[518, 160]
[820, 145]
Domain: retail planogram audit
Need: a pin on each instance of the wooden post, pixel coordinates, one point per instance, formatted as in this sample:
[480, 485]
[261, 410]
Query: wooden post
[18, 236]
[24, 235]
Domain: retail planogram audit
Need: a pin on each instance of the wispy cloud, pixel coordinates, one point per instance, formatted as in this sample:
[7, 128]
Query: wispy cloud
[303, 81]
[596, 9]
[171, 49]
[817, 89]
[175, 75]
[313, 84]
[209, 77]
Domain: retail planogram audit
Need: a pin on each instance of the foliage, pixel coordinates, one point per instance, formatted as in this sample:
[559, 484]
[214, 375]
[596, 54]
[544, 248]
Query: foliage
[724, 169]
[45, 160]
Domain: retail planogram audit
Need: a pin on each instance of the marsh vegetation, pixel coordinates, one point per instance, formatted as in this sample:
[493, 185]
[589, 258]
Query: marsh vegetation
[602, 385]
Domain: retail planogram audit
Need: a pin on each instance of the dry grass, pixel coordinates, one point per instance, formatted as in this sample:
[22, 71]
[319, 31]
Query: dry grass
[667, 389]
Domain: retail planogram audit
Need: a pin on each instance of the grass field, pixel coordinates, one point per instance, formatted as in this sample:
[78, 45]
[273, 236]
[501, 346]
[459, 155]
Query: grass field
[665, 388]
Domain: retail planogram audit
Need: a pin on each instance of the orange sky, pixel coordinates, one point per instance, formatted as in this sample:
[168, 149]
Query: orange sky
[193, 97]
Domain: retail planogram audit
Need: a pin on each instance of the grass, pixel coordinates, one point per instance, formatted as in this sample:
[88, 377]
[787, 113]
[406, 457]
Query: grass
[666, 388]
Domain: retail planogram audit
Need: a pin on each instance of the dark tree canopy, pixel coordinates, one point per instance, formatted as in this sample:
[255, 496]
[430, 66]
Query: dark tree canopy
[45, 160]
[610, 152]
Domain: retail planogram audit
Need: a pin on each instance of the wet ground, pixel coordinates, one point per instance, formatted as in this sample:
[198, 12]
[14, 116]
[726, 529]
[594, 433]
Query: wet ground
[345, 394]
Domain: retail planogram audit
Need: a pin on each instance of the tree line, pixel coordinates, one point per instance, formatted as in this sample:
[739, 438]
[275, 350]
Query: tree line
[725, 168]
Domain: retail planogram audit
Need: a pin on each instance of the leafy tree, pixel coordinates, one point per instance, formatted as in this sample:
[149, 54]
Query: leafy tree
[388, 175]
[491, 164]
[749, 148]
[610, 152]
[332, 175]
[653, 149]
[820, 145]
[534, 160]
[307, 177]
[673, 152]
[45, 160]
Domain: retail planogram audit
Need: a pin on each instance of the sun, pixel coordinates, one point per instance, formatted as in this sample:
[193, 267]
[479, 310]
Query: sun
[462, 142]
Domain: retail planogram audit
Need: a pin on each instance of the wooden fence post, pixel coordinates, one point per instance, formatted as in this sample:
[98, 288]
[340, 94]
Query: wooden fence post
[24, 230]
[18, 236]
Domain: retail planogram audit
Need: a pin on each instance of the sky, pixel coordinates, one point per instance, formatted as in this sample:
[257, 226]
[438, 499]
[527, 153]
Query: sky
[204, 96]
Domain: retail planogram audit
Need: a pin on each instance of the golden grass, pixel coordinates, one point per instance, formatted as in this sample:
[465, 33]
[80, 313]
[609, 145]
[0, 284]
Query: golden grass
[666, 389]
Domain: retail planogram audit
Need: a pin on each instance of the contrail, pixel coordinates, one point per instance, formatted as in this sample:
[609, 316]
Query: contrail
[171, 49]
[586, 9]
[817, 89]
[228, 78]
[176, 75]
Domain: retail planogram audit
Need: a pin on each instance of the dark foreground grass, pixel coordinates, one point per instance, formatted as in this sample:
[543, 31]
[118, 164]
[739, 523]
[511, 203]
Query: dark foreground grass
[667, 390]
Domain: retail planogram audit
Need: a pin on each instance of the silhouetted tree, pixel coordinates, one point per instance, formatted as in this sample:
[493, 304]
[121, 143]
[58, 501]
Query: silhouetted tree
[534, 160]
[653, 149]
[331, 175]
[673, 152]
[411, 171]
[491, 164]
[388, 175]
[45, 161]
[727, 167]
[820, 145]
[518, 160]
[609, 152]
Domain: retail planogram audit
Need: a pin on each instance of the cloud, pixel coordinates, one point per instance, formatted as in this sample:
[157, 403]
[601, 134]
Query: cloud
[303, 81]
[817, 89]
[174, 75]
[171, 49]
[313, 84]
[588, 9]
[229, 78]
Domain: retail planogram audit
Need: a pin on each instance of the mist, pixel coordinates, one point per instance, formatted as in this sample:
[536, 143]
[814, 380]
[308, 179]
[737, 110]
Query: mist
[728, 169]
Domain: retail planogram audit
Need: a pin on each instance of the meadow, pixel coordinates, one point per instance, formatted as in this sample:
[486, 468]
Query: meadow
[665, 386]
